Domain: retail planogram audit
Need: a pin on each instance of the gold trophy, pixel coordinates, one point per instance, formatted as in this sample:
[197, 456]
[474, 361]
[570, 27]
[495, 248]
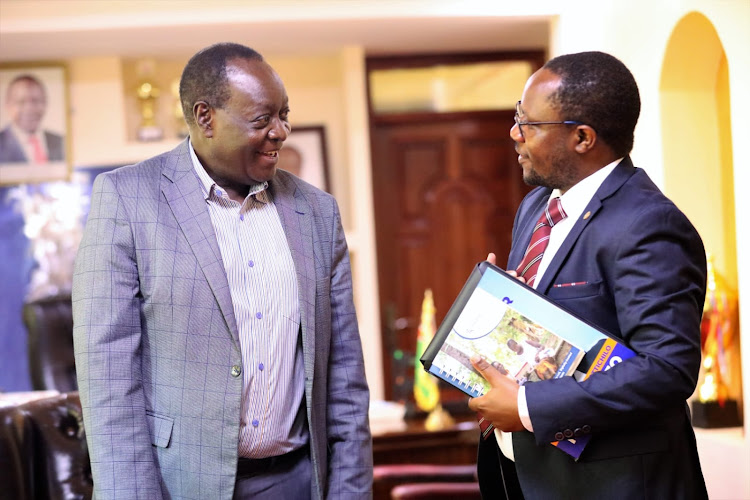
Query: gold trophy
[714, 407]
[148, 93]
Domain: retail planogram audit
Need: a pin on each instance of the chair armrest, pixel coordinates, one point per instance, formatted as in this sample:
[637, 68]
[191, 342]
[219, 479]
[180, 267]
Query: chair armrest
[437, 491]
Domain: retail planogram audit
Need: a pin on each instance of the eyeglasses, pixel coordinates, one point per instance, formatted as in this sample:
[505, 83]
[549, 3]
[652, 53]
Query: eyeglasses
[519, 122]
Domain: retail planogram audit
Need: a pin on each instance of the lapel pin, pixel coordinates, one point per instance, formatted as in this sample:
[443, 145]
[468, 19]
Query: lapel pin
[586, 215]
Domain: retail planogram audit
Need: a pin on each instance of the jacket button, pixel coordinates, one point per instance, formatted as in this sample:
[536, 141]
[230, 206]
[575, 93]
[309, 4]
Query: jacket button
[568, 433]
[559, 436]
[586, 429]
[236, 370]
[578, 432]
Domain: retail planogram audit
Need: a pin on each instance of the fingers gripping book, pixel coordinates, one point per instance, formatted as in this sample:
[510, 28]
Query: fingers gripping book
[523, 334]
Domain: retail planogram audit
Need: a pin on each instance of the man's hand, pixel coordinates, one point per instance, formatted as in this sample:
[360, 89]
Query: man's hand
[492, 259]
[500, 404]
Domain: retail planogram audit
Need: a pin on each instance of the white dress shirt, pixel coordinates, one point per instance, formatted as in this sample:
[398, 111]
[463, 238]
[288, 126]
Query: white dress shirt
[574, 201]
[263, 285]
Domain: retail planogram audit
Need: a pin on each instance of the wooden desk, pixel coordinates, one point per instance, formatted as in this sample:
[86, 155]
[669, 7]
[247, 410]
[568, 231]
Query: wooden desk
[416, 445]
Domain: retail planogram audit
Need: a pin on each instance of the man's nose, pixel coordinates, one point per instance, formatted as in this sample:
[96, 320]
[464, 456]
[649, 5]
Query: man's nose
[515, 133]
[279, 131]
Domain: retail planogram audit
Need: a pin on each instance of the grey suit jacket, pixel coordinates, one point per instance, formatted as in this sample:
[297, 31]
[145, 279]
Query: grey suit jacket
[12, 152]
[156, 338]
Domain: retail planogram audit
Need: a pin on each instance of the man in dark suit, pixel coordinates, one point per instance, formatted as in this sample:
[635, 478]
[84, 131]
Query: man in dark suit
[23, 140]
[217, 348]
[626, 259]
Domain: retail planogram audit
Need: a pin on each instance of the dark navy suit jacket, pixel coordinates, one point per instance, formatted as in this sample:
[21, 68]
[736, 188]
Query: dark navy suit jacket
[12, 152]
[645, 271]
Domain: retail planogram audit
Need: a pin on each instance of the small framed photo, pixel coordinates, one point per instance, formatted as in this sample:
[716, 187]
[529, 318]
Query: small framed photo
[304, 155]
[34, 132]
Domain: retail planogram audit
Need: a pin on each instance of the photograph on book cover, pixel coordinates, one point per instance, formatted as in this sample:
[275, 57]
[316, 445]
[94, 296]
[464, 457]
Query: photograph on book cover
[516, 346]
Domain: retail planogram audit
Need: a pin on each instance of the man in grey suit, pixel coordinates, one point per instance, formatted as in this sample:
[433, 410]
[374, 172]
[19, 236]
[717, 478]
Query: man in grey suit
[23, 140]
[217, 348]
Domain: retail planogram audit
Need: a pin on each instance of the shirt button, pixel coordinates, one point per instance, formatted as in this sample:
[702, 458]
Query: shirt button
[259, 315]
[568, 433]
[250, 263]
[236, 370]
[559, 436]
[255, 422]
[586, 429]
[578, 432]
[260, 367]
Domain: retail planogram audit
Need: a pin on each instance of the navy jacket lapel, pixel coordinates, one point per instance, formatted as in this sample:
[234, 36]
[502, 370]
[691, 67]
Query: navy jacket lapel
[611, 184]
[526, 219]
[185, 197]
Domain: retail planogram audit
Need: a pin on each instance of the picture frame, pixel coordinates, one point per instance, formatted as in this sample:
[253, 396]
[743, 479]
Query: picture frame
[34, 123]
[304, 155]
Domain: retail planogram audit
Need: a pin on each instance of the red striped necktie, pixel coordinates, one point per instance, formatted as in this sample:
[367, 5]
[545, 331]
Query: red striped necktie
[553, 214]
[529, 266]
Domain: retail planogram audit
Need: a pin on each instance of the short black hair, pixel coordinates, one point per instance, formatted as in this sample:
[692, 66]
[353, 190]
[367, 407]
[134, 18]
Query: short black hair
[25, 78]
[205, 76]
[598, 89]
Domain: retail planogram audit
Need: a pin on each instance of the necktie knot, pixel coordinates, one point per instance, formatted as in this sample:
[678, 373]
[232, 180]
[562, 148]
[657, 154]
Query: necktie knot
[555, 212]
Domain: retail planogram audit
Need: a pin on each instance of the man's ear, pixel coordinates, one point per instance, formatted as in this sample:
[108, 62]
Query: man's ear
[585, 138]
[204, 114]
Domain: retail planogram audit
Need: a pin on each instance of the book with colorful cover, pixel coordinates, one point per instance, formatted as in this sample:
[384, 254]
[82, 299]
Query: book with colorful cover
[521, 333]
[603, 356]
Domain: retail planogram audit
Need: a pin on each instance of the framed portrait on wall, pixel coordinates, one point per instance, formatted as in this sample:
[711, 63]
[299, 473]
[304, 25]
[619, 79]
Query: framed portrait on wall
[34, 131]
[304, 155]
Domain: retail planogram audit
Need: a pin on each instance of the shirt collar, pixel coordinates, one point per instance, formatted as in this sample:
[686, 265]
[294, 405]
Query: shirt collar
[210, 188]
[576, 198]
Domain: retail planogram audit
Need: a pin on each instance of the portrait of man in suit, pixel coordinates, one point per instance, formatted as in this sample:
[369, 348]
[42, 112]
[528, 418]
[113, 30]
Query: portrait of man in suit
[24, 140]
[217, 348]
[598, 237]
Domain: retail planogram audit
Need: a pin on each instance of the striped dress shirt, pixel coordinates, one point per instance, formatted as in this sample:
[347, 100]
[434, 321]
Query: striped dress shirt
[263, 285]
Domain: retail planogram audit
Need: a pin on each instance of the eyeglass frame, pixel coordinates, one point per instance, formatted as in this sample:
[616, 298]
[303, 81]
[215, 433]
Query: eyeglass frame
[519, 122]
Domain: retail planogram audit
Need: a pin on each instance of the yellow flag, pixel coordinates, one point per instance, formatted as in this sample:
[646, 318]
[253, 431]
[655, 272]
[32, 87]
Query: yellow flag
[426, 392]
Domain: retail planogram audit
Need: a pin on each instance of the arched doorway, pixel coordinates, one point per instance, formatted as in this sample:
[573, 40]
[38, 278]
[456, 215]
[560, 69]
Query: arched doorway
[697, 145]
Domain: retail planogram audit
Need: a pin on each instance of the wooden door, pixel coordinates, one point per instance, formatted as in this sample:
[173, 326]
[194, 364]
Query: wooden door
[446, 188]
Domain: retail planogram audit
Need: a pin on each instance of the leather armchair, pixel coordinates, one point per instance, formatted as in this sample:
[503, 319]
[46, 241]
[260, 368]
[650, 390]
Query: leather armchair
[49, 323]
[417, 481]
[45, 449]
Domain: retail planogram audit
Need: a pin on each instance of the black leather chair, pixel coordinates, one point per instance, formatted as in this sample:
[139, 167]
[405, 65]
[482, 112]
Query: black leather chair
[49, 323]
[44, 445]
[425, 481]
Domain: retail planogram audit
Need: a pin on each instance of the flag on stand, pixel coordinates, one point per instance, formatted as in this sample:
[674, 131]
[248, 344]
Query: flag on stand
[426, 391]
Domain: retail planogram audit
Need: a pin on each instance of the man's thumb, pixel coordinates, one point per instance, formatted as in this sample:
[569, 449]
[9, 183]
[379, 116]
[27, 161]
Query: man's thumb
[485, 369]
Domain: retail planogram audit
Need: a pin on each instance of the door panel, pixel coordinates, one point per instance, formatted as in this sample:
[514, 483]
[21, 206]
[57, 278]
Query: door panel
[446, 188]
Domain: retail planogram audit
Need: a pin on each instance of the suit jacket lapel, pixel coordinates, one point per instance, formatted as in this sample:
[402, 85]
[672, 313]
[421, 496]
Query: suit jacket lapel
[296, 218]
[525, 227]
[188, 204]
[611, 184]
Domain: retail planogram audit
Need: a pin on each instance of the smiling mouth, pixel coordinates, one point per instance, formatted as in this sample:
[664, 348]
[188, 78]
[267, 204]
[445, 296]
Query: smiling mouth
[271, 154]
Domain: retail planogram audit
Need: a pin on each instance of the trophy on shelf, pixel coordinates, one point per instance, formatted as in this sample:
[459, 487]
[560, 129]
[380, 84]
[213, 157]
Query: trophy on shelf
[148, 93]
[714, 407]
[181, 130]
